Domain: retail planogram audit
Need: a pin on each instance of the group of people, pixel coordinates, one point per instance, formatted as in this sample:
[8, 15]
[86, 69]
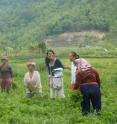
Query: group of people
[84, 78]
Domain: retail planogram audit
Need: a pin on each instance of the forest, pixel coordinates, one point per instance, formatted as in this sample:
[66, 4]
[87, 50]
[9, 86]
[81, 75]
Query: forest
[27, 22]
[28, 28]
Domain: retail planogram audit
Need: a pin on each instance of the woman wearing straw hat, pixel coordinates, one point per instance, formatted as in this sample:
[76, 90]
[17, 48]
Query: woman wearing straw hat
[6, 75]
[32, 80]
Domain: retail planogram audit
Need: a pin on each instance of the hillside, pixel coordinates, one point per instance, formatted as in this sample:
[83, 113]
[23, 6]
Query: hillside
[27, 22]
[85, 39]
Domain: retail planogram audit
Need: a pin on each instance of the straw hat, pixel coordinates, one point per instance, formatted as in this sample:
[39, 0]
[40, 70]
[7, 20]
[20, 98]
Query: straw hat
[31, 63]
[4, 58]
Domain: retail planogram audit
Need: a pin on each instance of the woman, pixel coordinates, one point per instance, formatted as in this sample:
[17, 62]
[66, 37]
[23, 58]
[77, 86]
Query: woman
[72, 57]
[89, 81]
[55, 69]
[6, 75]
[32, 80]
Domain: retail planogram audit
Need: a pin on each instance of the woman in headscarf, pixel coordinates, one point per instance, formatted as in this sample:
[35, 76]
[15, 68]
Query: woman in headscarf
[55, 69]
[32, 81]
[88, 79]
[6, 75]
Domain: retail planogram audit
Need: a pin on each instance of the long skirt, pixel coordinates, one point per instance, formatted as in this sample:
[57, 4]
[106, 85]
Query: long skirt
[6, 84]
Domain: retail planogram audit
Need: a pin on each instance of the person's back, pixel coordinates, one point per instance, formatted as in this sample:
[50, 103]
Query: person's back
[88, 76]
[88, 79]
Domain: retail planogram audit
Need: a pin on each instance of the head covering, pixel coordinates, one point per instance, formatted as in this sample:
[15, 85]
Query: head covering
[82, 64]
[31, 63]
[4, 58]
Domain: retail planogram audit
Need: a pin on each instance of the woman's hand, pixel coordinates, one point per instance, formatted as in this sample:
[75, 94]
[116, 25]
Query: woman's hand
[10, 80]
[29, 85]
[67, 67]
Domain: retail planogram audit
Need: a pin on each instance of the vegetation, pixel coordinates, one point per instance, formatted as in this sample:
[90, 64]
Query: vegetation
[26, 22]
[15, 108]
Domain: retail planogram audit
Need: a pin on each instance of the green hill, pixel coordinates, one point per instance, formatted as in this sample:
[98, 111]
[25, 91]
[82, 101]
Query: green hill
[26, 22]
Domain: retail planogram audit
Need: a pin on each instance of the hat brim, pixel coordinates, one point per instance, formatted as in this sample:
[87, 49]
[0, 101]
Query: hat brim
[31, 64]
[4, 59]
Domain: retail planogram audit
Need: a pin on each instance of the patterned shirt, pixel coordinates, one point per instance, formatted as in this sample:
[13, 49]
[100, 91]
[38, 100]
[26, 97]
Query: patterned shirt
[6, 71]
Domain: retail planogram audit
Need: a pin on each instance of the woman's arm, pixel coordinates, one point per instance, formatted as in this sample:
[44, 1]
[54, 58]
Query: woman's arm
[38, 82]
[59, 64]
[10, 71]
[25, 80]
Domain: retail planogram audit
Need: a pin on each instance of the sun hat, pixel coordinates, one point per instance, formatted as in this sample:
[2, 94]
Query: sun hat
[31, 63]
[4, 58]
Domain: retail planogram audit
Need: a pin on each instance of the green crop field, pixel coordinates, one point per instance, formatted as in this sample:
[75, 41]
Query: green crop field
[29, 27]
[15, 108]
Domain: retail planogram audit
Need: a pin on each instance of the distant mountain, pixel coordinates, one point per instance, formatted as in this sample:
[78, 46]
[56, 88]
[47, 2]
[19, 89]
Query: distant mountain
[26, 22]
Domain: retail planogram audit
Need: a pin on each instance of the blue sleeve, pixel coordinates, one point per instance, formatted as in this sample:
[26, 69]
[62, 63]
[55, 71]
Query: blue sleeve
[59, 63]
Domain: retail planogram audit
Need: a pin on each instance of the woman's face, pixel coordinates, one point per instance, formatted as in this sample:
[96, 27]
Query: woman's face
[71, 57]
[31, 68]
[51, 56]
[4, 61]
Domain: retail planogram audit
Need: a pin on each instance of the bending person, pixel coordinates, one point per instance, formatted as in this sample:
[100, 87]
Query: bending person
[89, 81]
[32, 81]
